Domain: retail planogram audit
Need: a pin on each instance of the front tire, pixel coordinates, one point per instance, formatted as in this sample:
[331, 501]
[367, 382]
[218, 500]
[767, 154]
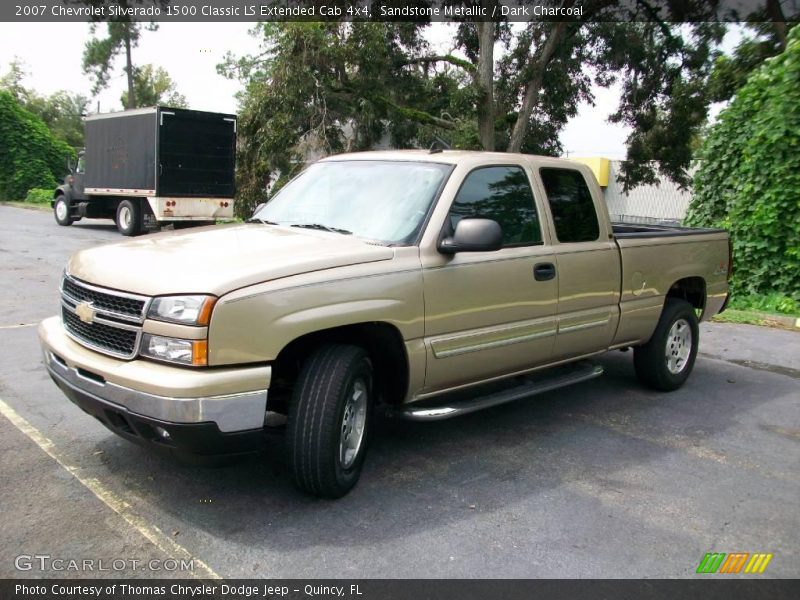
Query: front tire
[329, 420]
[665, 362]
[61, 210]
[129, 218]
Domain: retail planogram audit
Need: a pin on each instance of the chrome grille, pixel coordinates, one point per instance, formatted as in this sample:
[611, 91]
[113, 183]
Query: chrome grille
[106, 338]
[101, 319]
[118, 304]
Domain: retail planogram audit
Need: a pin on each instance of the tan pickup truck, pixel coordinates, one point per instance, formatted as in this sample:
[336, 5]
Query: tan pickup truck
[429, 283]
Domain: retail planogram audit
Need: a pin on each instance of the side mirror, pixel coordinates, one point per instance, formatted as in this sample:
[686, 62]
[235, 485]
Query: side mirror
[70, 166]
[473, 235]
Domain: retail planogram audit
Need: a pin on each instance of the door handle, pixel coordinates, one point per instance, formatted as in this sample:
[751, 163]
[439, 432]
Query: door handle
[544, 271]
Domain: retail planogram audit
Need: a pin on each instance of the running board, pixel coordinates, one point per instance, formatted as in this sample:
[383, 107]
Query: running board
[530, 385]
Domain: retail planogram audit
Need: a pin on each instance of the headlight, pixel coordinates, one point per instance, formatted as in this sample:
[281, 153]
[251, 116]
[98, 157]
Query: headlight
[185, 352]
[187, 310]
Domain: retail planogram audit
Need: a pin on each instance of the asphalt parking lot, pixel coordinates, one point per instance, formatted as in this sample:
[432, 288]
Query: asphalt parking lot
[603, 479]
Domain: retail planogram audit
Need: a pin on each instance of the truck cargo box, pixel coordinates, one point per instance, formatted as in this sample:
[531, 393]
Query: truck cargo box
[160, 151]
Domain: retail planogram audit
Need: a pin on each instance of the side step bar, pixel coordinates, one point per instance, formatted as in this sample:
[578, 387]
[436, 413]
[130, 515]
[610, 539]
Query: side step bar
[440, 408]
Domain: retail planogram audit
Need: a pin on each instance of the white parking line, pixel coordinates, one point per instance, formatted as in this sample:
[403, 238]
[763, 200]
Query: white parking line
[163, 542]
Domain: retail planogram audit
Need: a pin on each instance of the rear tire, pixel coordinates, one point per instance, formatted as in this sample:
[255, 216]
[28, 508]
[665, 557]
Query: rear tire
[329, 420]
[665, 362]
[129, 218]
[61, 210]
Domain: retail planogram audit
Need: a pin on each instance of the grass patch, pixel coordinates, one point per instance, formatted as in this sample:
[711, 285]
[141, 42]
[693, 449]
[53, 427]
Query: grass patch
[769, 303]
[29, 205]
[749, 317]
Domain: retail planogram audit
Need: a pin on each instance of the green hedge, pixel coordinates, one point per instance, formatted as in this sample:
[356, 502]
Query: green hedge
[30, 156]
[749, 177]
[39, 195]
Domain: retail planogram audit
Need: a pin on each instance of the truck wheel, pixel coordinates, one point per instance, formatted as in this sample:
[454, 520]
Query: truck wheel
[329, 420]
[665, 362]
[129, 218]
[61, 211]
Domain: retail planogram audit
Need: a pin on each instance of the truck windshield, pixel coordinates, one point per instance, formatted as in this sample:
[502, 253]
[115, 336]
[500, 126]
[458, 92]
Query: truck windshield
[385, 201]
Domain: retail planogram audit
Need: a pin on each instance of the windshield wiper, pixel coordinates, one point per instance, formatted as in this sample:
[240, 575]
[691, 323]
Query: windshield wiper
[257, 220]
[322, 227]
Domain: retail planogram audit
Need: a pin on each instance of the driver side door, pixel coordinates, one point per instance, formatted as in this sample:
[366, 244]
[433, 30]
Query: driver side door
[488, 314]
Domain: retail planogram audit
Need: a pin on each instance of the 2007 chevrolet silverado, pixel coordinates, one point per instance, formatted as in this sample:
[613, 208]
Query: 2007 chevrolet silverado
[434, 283]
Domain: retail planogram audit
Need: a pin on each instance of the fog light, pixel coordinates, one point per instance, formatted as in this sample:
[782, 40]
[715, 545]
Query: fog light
[163, 433]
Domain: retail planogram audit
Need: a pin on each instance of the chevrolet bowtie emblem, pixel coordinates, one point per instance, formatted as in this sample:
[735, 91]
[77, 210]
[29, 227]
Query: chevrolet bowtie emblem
[85, 311]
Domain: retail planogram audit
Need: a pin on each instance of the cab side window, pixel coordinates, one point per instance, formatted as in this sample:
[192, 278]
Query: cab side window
[502, 194]
[571, 205]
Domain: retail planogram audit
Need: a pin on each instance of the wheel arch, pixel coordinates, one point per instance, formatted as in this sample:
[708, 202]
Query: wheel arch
[383, 342]
[691, 289]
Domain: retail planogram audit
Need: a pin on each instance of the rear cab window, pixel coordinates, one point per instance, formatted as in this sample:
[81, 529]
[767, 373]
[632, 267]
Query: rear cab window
[571, 204]
[503, 194]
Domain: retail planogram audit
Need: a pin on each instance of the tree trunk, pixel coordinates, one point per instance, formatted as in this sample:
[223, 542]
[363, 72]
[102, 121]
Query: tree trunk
[533, 88]
[129, 68]
[778, 20]
[485, 79]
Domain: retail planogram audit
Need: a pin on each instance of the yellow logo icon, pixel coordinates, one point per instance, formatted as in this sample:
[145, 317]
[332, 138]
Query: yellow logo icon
[85, 311]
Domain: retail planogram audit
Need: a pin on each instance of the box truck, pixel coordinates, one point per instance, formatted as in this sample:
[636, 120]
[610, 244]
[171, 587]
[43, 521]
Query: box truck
[150, 167]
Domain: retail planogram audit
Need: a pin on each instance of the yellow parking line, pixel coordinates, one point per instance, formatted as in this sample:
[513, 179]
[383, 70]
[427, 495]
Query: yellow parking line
[163, 542]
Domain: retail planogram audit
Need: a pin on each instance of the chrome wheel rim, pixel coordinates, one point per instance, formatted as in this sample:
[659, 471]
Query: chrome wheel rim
[679, 346]
[125, 217]
[61, 210]
[354, 421]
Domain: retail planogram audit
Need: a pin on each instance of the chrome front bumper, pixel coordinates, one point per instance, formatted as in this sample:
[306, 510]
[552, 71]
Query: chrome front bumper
[233, 412]
[92, 375]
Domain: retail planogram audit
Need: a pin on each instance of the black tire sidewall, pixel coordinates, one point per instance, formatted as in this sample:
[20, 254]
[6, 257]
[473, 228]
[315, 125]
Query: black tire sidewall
[650, 360]
[315, 419]
[135, 217]
[359, 368]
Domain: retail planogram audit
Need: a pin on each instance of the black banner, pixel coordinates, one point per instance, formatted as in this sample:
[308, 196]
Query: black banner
[707, 588]
[397, 10]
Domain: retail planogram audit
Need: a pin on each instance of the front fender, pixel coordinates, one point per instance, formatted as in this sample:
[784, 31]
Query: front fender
[62, 190]
[255, 324]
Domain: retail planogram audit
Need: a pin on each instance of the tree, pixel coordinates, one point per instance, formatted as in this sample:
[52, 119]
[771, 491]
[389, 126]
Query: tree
[99, 53]
[30, 156]
[767, 31]
[316, 81]
[12, 80]
[749, 176]
[62, 111]
[153, 86]
[548, 67]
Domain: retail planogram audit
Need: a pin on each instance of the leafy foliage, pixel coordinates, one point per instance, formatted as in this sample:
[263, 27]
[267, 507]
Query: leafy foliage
[769, 303]
[764, 40]
[121, 37]
[62, 111]
[30, 156]
[321, 88]
[749, 178]
[39, 195]
[153, 86]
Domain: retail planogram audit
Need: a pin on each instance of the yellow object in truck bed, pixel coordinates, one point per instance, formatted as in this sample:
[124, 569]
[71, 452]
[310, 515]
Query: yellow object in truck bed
[599, 166]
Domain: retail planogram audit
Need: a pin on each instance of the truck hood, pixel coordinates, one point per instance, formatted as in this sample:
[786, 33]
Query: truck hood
[216, 260]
